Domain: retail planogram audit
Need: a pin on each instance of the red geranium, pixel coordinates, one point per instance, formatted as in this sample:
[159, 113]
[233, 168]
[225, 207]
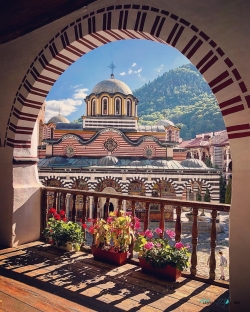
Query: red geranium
[62, 212]
[84, 225]
[57, 216]
[52, 210]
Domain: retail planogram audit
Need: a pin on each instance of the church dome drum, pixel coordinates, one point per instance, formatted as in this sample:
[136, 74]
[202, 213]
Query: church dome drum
[111, 86]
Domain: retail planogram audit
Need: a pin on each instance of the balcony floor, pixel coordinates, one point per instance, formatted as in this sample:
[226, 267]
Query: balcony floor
[37, 277]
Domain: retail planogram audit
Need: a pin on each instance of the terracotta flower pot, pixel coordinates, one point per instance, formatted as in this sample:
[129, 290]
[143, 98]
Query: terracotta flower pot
[169, 272]
[118, 258]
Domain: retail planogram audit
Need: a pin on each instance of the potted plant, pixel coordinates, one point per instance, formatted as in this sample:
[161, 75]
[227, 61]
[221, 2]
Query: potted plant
[112, 238]
[62, 233]
[158, 256]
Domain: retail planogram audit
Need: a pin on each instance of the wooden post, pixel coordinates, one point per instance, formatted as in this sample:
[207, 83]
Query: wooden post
[131, 247]
[193, 269]
[213, 234]
[74, 208]
[146, 217]
[95, 207]
[55, 200]
[106, 208]
[178, 224]
[133, 207]
[58, 202]
[119, 208]
[84, 213]
[162, 220]
[44, 211]
[64, 201]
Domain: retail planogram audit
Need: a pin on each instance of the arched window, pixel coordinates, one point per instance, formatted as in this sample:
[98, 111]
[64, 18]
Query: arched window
[128, 107]
[117, 106]
[104, 106]
[93, 113]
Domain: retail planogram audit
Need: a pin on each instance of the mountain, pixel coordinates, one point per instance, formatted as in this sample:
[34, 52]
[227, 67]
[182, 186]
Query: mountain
[182, 96]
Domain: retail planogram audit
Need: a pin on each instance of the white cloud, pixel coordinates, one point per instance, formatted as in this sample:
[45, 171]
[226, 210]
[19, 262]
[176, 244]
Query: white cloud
[134, 64]
[65, 106]
[123, 73]
[80, 94]
[160, 68]
[130, 71]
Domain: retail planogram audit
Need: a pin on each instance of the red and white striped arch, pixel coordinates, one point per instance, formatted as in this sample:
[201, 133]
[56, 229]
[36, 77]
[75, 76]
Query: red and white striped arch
[119, 22]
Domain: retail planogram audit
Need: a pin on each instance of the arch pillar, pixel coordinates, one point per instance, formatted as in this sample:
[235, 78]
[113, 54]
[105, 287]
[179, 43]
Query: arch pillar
[20, 195]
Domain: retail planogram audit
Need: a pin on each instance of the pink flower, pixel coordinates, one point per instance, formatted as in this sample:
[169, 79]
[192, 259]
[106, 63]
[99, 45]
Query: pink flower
[170, 233]
[158, 245]
[110, 219]
[179, 245]
[148, 234]
[128, 213]
[149, 245]
[137, 225]
[158, 231]
[187, 246]
[141, 233]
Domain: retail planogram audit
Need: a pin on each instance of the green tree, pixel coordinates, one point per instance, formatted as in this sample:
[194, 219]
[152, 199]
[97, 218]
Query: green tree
[208, 163]
[228, 191]
[222, 189]
[207, 196]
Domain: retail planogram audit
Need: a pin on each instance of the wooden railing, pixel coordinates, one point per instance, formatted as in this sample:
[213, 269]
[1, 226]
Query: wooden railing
[56, 198]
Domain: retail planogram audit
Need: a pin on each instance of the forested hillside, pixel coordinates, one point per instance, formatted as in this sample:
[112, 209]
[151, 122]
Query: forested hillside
[182, 96]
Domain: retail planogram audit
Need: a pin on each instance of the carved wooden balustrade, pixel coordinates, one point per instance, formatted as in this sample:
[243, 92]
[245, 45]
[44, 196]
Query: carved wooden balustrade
[59, 198]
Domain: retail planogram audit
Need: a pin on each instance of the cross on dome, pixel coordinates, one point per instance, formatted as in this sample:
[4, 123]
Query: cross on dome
[112, 67]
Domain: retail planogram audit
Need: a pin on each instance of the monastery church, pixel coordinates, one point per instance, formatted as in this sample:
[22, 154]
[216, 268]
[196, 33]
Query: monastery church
[110, 152]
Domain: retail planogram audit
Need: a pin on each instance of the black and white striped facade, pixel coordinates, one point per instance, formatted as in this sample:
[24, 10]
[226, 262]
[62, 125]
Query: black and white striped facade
[186, 184]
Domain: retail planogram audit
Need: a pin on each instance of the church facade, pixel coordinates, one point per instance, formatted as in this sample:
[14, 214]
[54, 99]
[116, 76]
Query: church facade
[110, 152]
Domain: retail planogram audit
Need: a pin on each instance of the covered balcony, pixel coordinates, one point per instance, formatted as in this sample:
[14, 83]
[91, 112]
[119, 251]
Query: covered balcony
[40, 41]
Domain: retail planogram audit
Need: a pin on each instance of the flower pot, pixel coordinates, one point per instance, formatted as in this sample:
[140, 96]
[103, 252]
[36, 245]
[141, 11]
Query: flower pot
[68, 247]
[118, 258]
[169, 272]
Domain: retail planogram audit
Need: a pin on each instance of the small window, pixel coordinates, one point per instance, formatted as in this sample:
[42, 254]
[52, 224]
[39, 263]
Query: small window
[93, 107]
[105, 106]
[128, 108]
[51, 133]
[117, 106]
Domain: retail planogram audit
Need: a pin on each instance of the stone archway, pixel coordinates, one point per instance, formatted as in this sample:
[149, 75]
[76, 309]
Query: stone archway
[218, 47]
[108, 24]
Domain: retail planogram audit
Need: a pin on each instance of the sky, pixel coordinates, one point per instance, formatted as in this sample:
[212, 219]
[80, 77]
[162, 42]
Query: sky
[137, 62]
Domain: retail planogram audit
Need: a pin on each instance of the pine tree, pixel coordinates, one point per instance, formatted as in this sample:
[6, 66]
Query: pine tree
[208, 163]
[222, 189]
[228, 191]
[207, 196]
